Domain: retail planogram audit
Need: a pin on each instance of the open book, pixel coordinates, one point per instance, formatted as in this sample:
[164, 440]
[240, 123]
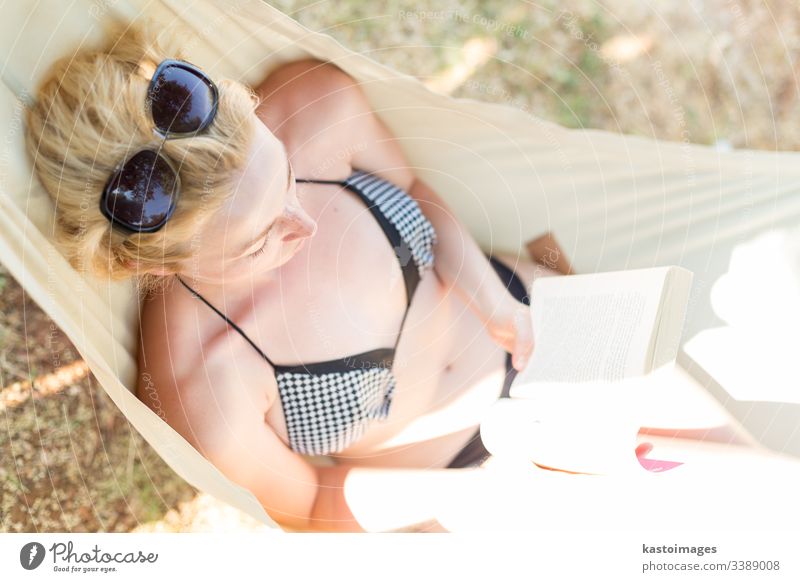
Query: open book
[599, 338]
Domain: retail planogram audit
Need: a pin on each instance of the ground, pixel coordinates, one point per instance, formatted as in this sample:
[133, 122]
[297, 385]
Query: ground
[717, 72]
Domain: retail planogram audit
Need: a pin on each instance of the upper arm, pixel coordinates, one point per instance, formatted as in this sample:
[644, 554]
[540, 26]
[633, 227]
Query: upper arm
[319, 106]
[247, 451]
[212, 407]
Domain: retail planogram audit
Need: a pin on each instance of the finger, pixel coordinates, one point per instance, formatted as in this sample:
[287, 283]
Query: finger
[523, 349]
[517, 361]
[520, 358]
[523, 345]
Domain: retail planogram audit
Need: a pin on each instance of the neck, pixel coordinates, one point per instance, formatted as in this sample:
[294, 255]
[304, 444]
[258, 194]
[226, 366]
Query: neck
[225, 287]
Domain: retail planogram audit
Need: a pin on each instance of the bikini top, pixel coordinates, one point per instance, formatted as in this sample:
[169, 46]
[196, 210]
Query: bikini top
[328, 405]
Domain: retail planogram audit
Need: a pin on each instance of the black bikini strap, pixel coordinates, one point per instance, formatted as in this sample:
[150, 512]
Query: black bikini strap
[407, 264]
[225, 317]
[312, 181]
[402, 324]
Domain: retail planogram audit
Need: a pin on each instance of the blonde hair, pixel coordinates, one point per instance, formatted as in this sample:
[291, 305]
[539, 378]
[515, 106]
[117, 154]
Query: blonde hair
[90, 116]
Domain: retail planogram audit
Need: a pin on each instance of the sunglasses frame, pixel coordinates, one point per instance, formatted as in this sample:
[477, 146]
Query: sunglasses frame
[104, 198]
[165, 64]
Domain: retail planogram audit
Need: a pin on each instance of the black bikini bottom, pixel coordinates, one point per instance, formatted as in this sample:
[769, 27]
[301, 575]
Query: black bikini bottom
[474, 453]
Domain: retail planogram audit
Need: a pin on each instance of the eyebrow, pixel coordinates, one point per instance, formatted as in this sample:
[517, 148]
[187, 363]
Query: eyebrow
[266, 230]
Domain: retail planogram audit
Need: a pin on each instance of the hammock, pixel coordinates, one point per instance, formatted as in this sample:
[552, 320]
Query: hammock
[612, 201]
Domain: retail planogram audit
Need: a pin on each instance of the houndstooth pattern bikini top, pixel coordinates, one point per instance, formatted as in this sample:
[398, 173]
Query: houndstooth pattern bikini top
[328, 405]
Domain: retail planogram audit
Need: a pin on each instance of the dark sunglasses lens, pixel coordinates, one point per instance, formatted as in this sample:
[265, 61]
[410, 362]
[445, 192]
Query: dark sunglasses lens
[141, 194]
[181, 100]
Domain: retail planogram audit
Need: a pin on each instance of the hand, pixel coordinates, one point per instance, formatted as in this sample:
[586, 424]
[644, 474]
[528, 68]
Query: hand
[511, 328]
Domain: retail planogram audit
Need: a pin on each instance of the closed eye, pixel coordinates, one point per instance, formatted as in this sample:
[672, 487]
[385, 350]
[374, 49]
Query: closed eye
[260, 251]
[289, 180]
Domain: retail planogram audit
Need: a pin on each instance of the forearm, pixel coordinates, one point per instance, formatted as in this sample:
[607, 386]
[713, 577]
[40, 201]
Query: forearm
[359, 499]
[460, 263]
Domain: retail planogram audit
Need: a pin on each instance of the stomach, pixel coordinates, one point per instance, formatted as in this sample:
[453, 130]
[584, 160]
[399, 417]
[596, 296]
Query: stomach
[448, 372]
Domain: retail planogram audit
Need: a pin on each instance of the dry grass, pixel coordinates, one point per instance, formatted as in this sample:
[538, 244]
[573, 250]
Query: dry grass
[727, 68]
[711, 71]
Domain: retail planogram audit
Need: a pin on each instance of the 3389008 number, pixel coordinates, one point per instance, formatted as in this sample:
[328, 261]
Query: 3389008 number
[756, 565]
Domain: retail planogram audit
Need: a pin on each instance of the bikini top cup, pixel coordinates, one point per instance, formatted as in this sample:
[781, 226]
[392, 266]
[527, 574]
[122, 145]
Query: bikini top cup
[328, 405]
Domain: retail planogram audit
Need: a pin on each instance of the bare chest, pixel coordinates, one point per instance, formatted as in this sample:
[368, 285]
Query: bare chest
[342, 294]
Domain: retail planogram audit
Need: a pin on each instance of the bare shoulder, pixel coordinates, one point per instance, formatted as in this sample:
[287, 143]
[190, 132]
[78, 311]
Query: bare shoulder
[308, 88]
[318, 111]
[323, 116]
[185, 371]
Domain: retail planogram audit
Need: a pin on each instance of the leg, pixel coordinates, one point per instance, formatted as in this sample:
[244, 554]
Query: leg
[474, 453]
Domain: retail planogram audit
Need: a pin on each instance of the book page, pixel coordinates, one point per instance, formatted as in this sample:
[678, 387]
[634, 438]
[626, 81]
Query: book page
[586, 337]
[593, 327]
[672, 316]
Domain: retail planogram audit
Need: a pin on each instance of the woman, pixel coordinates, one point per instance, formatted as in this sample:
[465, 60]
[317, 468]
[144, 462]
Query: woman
[306, 294]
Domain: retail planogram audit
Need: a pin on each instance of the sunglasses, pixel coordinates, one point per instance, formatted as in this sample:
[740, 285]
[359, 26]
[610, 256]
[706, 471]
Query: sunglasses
[141, 195]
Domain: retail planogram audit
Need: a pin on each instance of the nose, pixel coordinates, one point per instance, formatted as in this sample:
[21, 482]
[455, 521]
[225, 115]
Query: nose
[301, 225]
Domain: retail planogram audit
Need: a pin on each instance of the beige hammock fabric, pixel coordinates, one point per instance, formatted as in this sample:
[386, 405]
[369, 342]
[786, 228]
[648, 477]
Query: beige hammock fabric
[612, 201]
